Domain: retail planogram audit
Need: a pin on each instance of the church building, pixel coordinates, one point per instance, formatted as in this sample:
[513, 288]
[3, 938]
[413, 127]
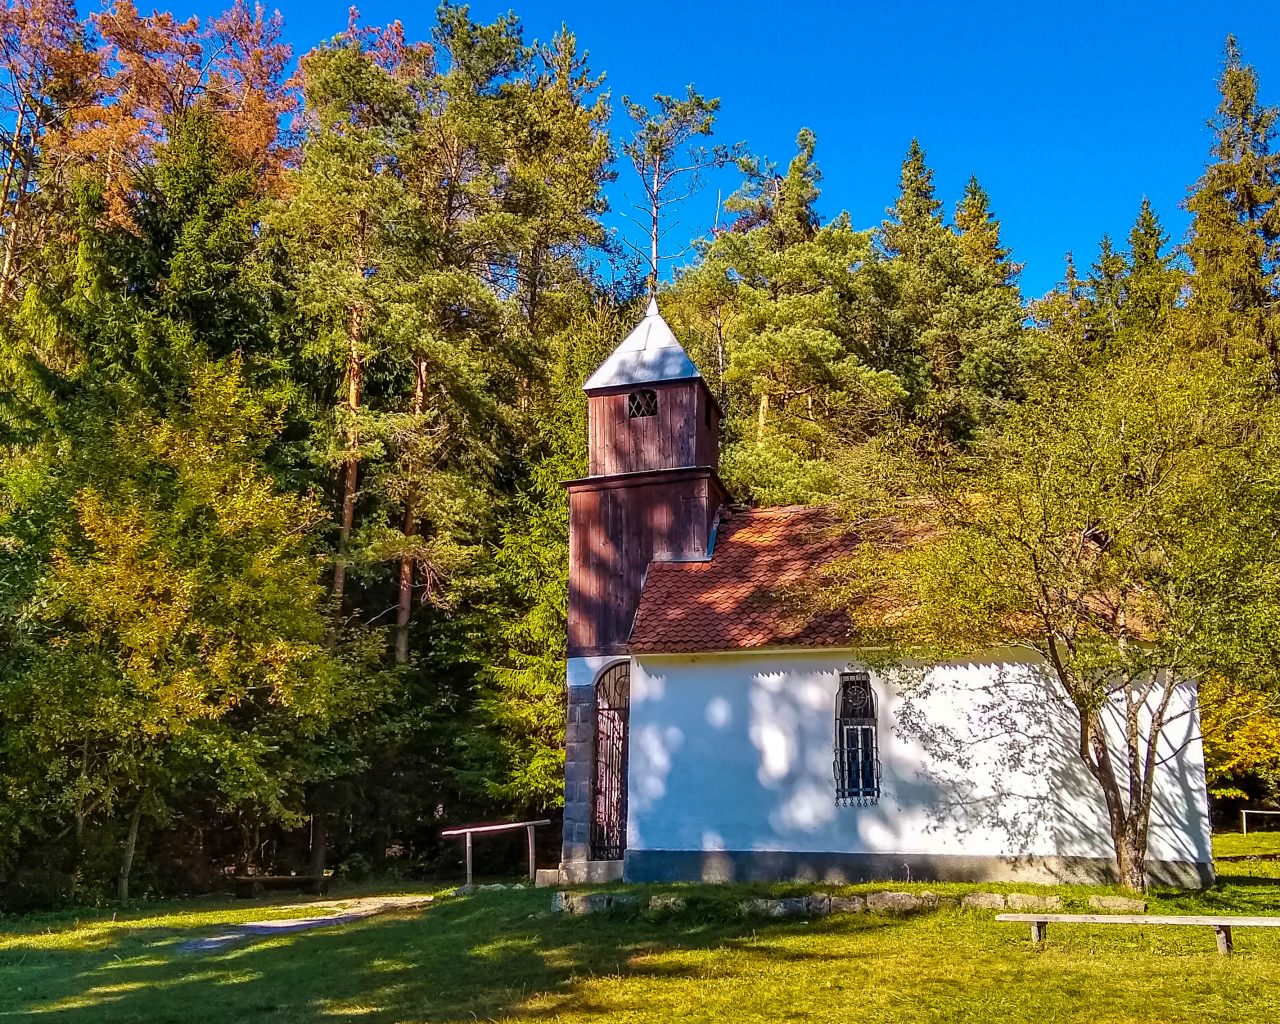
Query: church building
[718, 732]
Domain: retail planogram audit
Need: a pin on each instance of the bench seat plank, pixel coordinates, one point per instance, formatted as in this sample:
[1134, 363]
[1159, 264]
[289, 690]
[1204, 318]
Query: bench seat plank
[1176, 919]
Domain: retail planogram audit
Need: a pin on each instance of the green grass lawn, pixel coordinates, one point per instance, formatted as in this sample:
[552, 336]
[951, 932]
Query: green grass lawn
[504, 956]
[1233, 844]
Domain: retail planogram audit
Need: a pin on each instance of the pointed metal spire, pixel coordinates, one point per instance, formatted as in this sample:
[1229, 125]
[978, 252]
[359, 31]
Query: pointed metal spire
[648, 355]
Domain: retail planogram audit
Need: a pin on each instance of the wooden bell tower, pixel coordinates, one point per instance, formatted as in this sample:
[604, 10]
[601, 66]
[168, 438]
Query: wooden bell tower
[653, 491]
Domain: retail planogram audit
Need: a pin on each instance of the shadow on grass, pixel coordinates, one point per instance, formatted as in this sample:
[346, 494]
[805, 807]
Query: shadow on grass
[489, 956]
[483, 957]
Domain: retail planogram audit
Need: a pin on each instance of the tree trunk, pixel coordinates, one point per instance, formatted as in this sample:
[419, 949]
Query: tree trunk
[77, 852]
[355, 380]
[130, 845]
[1128, 825]
[1131, 858]
[10, 269]
[319, 842]
[11, 163]
[10, 219]
[719, 323]
[654, 211]
[404, 607]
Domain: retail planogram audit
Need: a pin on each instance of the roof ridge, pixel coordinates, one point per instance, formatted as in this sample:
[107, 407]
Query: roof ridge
[784, 510]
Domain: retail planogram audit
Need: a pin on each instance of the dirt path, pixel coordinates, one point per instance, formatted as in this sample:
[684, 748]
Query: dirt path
[348, 911]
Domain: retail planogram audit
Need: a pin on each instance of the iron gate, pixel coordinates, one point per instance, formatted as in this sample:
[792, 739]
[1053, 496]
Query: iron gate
[609, 799]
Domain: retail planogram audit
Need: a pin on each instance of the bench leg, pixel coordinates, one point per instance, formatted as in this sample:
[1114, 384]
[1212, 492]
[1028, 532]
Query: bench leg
[1038, 931]
[1223, 932]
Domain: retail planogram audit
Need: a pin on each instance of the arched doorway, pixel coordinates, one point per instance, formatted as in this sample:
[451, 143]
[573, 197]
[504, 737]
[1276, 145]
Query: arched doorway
[609, 793]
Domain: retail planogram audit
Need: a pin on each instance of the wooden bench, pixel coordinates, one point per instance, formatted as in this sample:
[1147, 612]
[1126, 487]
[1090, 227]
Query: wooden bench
[1221, 925]
[249, 886]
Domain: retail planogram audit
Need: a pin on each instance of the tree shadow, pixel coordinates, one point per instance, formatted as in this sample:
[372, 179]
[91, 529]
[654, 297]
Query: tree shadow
[487, 956]
[731, 777]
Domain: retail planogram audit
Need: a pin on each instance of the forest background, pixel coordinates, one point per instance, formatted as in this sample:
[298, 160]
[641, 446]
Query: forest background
[291, 356]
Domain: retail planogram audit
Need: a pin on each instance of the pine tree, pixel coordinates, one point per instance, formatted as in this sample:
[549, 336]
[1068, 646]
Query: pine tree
[556, 127]
[959, 344]
[1106, 281]
[341, 227]
[786, 204]
[521, 754]
[665, 148]
[1128, 301]
[49, 78]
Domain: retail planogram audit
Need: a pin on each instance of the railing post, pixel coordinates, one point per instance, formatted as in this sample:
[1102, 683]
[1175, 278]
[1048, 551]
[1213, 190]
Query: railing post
[468, 858]
[533, 862]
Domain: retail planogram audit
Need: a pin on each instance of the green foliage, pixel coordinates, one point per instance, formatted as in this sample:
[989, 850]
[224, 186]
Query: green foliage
[285, 417]
[1118, 524]
[1234, 246]
[820, 339]
[524, 696]
[1241, 739]
[167, 624]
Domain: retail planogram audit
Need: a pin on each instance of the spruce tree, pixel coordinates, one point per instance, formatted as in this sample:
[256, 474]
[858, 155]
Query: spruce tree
[914, 229]
[1153, 280]
[1234, 245]
[978, 232]
[166, 632]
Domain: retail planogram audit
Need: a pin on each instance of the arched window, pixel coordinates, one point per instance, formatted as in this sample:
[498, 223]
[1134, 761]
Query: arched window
[857, 763]
[642, 403]
[609, 791]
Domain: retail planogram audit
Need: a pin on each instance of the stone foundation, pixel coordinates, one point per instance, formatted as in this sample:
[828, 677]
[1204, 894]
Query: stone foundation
[580, 731]
[779, 866]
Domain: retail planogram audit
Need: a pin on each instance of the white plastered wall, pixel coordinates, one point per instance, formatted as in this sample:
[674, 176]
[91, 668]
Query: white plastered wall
[733, 752]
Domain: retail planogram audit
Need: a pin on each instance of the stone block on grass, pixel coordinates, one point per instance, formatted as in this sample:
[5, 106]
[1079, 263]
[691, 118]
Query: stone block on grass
[818, 904]
[893, 902]
[667, 904]
[794, 907]
[982, 901]
[588, 902]
[1025, 901]
[847, 905]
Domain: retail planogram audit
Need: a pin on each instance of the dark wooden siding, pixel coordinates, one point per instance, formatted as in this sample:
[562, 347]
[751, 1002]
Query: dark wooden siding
[708, 436]
[678, 436]
[616, 528]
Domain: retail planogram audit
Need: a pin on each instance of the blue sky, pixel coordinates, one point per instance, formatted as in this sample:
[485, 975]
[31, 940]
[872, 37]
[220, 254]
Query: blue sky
[1068, 113]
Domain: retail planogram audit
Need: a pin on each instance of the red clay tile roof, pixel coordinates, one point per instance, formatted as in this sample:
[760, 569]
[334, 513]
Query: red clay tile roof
[738, 599]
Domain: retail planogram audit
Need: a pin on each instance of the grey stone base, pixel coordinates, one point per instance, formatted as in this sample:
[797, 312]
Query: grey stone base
[771, 866]
[579, 767]
[592, 872]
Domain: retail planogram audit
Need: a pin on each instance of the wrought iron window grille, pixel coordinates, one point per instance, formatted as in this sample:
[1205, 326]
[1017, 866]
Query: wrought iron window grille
[857, 754]
[642, 403]
[609, 789]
